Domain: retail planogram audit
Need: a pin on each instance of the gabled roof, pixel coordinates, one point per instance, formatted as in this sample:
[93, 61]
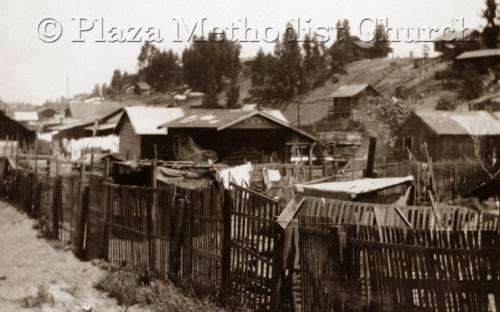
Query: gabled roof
[25, 116]
[457, 35]
[476, 123]
[220, 119]
[351, 90]
[143, 86]
[146, 120]
[479, 54]
[363, 44]
[90, 110]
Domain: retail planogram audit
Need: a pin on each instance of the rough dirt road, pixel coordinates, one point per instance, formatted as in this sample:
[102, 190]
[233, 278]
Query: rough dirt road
[27, 262]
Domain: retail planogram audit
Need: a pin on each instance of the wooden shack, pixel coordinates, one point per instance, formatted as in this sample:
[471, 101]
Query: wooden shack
[13, 130]
[140, 135]
[241, 135]
[100, 125]
[479, 60]
[344, 100]
[449, 135]
[453, 43]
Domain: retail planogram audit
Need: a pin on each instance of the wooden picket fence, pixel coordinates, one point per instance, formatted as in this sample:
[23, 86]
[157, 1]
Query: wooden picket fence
[424, 270]
[228, 244]
[348, 264]
[60, 201]
[220, 242]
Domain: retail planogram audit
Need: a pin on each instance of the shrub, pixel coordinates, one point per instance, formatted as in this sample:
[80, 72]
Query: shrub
[447, 102]
[41, 297]
[140, 286]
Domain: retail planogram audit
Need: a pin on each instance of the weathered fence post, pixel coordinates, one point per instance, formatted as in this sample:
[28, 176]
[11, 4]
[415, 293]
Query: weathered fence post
[107, 214]
[278, 274]
[149, 224]
[339, 238]
[226, 246]
[55, 207]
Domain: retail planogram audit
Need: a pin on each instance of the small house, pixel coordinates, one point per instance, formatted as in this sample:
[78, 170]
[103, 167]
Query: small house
[453, 43]
[91, 110]
[11, 129]
[448, 135]
[26, 118]
[142, 88]
[344, 100]
[479, 60]
[46, 113]
[100, 125]
[239, 135]
[140, 135]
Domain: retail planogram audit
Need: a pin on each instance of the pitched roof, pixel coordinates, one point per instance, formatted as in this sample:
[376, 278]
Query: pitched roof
[477, 123]
[86, 111]
[350, 90]
[146, 120]
[478, 54]
[457, 35]
[221, 119]
[363, 44]
[25, 116]
[143, 85]
[353, 188]
[218, 118]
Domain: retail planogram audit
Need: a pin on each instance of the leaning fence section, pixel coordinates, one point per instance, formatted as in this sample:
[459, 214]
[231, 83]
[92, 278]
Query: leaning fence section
[254, 239]
[424, 270]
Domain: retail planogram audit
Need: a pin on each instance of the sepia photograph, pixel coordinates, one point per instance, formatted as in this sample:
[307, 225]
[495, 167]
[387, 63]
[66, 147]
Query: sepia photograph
[281, 156]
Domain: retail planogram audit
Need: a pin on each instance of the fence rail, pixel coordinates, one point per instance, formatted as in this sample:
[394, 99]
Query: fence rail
[227, 243]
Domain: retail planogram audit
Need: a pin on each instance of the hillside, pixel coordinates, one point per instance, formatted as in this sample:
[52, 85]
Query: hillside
[384, 74]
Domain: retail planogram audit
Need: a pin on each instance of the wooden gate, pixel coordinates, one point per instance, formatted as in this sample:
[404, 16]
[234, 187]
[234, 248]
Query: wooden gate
[255, 239]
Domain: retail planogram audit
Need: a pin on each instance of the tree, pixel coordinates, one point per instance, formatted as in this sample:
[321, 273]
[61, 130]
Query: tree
[341, 49]
[163, 71]
[258, 69]
[491, 30]
[381, 42]
[116, 80]
[233, 93]
[379, 116]
[97, 90]
[309, 67]
[447, 102]
[289, 59]
[320, 62]
[472, 86]
[104, 89]
[210, 64]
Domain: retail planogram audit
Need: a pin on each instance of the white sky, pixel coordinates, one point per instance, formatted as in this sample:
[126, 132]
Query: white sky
[33, 71]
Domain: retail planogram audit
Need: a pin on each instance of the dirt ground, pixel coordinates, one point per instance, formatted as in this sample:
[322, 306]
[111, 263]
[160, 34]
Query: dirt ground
[27, 262]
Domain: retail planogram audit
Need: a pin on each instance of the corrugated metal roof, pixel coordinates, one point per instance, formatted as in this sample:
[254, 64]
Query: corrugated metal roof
[26, 116]
[478, 123]
[146, 120]
[353, 188]
[219, 118]
[478, 54]
[349, 90]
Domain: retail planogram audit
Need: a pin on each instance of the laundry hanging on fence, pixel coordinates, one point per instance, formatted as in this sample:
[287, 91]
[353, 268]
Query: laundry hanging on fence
[270, 176]
[239, 175]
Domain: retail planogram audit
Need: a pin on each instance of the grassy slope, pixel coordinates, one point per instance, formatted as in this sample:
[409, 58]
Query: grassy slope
[384, 74]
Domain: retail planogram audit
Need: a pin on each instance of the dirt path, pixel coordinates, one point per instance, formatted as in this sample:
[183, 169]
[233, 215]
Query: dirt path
[28, 262]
